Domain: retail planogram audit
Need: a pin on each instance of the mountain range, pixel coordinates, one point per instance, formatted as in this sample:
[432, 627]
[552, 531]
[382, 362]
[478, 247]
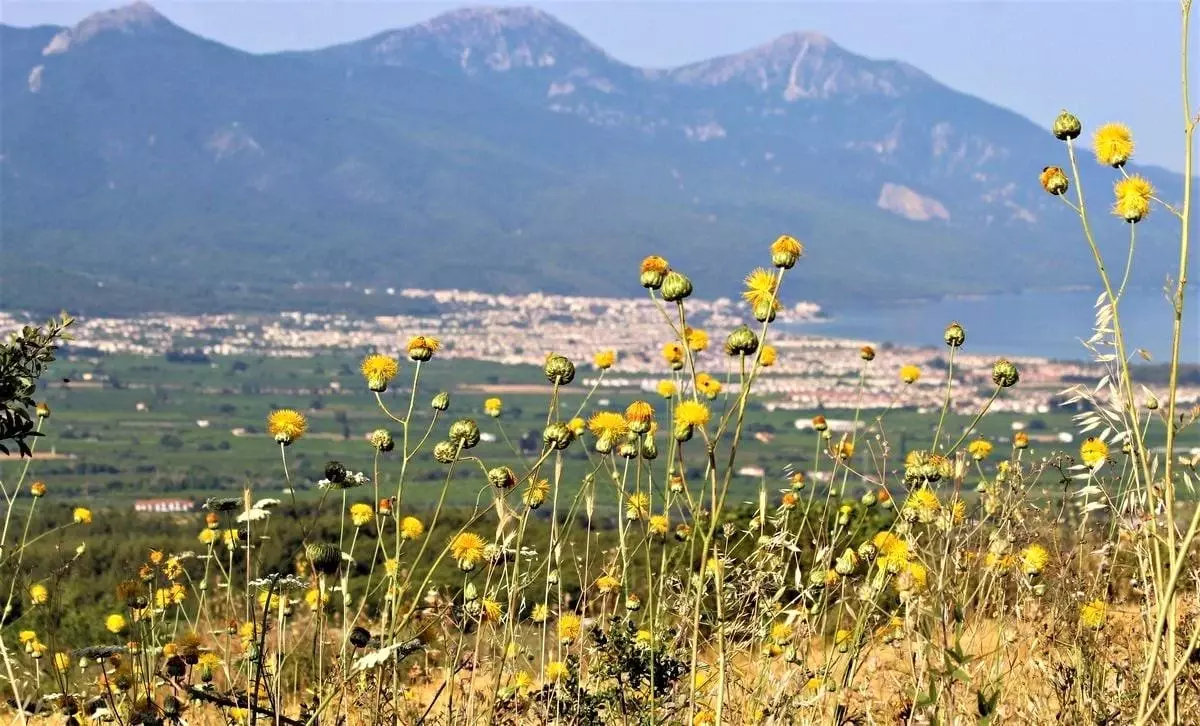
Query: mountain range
[143, 167]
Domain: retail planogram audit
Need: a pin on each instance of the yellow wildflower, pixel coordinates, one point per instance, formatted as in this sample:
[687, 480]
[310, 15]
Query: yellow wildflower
[1113, 144]
[910, 373]
[659, 525]
[667, 389]
[1093, 452]
[1093, 614]
[315, 599]
[767, 356]
[539, 613]
[762, 288]
[708, 385]
[1034, 559]
[608, 425]
[207, 536]
[696, 339]
[607, 583]
[569, 627]
[979, 449]
[605, 359]
[490, 610]
[82, 515]
[675, 354]
[557, 671]
[286, 425]
[38, 594]
[467, 548]
[637, 506]
[1133, 195]
[691, 413]
[411, 528]
[493, 407]
[379, 370]
[781, 633]
[115, 623]
[361, 513]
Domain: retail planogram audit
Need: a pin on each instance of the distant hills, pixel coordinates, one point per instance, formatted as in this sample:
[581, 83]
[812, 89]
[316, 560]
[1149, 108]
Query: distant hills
[143, 167]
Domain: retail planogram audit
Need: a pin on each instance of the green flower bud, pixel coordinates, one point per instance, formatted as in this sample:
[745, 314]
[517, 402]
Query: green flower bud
[382, 440]
[465, 433]
[869, 499]
[559, 369]
[1005, 374]
[557, 435]
[683, 432]
[1066, 127]
[326, 558]
[502, 477]
[628, 449]
[742, 341]
[676, 287]
[441, 401]
[445, 452]
[764, 311]
[955, 336]
[649, 449]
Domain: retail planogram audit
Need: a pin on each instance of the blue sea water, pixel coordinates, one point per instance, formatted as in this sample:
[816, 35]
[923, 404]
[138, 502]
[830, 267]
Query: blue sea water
[1049, 324]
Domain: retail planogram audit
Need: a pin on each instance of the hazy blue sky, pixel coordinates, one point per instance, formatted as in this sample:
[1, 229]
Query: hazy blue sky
[1106, 61]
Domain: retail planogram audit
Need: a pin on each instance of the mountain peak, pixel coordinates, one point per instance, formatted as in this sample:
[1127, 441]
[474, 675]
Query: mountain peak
[803, 64]
[136, 18]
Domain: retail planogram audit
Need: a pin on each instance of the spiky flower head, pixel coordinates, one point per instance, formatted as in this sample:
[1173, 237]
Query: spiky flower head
[658, 525]
[708, 386]
[691, 413]
[639, 415]
[38, 594]
[286, 425]
[37, 489]
[1093, 614]
[422, 347]
[785, 252]
[955, 335]
[1113, 144]
[922, 505]
[379, 370]
[440, 402]
[637, 506]
[559, 369]
[910, 373]
[768, 356]
[577, 426]
[557, 671]
[445, 452]
[325, 558]
[606, 583]
[654, 270]
[1005, 374]
[1093, 452]
[696, 339]
[467, 548]
[1020, 440]
[465, 433]
[1133, 195]
[676, 287]
[605, 359]
[411, 528]
[381, 440]
[608, 427]
[762, 291]
[569, 627]
[979, 449]
[493, 407]
[1054, 180]
[82, 515]
[502, 477]
[535, 494]
[667, 388]
[742, 341]
[675, 354]
[1066, 126]
[361, 514]
[1034, 559]
[42, 410]
[115, 624]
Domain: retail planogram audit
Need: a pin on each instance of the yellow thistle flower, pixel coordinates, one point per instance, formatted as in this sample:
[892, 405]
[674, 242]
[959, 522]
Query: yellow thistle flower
[422, 347]
[207, 536]
[781, 633]
[490, 610]
[913, 578]
[705, 717]
[115, 623]
[1093, 614]
[493, 407]
[607, 583]
[1113, 144]
[654, 263]
[674, 354]
[923, 500]
[577, 426]
[691, 413]
[767, 356]
[785, 251]
[391, 566]
[82, 515]
[667, 388]
[38, 594]
[62, 661]
[605, 359]
[1093, 452]
[379, 370]
[286, 425]
[845, 449]
[557, 671]
[762, 289]
[569, 627]
[522, 681]
[535, 494]
[788, 501]
[411, 528]
[958, 511]
[658, 525]
[1034, 559]
[1133, 195]
[639, 415]
[893, 552]
[1020, 440]
[26, 636]
[910, 373]
[696, 339]
[979, 449]
[708, 386]
[842, 637]
[314, 598]
[539, 613]
[644, 638]
[467, 549]
[637, 506]
[361, 513]
[609, 425]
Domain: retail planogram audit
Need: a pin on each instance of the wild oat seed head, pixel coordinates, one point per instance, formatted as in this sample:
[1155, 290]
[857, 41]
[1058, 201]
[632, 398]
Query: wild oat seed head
[379, 370]
[1113, 144]
[286, 425]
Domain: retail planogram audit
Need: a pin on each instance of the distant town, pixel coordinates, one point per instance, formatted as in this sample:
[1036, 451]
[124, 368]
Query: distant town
[811, 371]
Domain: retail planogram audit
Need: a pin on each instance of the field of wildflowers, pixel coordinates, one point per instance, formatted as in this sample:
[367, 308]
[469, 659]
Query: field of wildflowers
[949, 591]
